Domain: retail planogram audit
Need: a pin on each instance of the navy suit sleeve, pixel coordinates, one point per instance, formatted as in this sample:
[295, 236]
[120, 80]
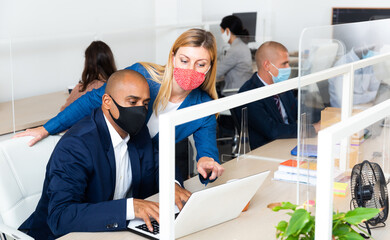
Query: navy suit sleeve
[260, 119]
[71, 166]
[80, 108]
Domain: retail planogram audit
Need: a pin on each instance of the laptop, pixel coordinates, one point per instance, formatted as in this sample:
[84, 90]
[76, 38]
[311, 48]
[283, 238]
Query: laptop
[224, 202]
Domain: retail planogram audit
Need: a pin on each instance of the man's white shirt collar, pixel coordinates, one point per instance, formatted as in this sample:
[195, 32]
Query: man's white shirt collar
[265, 84]
[123, 177]
[283, 110]
[116, 139]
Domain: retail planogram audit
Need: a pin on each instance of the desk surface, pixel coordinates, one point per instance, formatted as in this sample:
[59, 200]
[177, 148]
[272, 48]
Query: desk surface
[258, 220]
[31, 112]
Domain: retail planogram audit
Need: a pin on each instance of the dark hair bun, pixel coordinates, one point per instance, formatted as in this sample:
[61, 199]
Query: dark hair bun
[244, 32]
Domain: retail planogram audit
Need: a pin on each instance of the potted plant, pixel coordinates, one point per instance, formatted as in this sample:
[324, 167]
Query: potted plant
[301, 224]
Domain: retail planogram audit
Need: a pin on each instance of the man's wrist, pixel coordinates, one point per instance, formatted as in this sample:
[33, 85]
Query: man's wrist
[130, 209]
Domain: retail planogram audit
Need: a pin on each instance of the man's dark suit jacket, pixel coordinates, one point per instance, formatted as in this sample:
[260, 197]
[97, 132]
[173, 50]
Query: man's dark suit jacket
[80, 181]
[265, 123]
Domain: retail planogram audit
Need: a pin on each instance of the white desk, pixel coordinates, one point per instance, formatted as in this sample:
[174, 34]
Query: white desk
[259, 221]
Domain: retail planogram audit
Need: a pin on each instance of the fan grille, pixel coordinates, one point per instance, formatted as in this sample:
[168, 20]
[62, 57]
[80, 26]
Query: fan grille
[368, 189]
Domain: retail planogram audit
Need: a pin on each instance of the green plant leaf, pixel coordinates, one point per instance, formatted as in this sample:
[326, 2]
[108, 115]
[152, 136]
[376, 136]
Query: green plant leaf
[341, 230]
[297, 222]
[282, 225]
[359, 215]
[285, 205]
[292, 238]
[338, 216]
[351, 236]
[309, 226]
[278, 234]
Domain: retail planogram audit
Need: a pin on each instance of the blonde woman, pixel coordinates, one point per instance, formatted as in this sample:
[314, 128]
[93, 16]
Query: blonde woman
[187, 79]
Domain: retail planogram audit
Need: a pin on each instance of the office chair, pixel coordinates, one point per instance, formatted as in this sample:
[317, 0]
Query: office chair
[22, 172]
[322, 55]
[382, 70]
[234, 139]
[230, 91]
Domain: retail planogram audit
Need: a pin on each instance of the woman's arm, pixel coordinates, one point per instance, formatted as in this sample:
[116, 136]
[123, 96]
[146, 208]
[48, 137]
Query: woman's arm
[206, 145]
[65, 119]
[75, 111]
[206, 139]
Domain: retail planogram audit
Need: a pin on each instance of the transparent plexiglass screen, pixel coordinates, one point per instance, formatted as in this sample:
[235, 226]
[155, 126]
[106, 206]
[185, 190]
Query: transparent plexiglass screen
[6, 120]
[323, 48]
[331, 46]
[38, 73]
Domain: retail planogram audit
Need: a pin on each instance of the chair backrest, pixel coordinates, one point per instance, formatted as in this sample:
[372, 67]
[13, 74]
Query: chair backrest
[236, 118]
[22, 172]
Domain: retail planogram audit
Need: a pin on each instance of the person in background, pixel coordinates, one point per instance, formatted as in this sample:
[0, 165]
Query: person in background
[98, 66]
[366, 85]
[273, 117]
[236, 66]
[102, 168]
[187, 79]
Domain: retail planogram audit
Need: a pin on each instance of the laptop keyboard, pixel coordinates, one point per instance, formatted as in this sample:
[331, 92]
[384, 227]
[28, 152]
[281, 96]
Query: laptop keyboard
[156, 227]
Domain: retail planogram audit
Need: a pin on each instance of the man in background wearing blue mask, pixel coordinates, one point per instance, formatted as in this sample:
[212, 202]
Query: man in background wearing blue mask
[366, 85]
[274, 117]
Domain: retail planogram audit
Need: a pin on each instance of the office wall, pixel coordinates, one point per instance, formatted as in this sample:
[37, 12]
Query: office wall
[73, 24]
[283, 20]
[289, 18]
[52, 35]
[172, 18]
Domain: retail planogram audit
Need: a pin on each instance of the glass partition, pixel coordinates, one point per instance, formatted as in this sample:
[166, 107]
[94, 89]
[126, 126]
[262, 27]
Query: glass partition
[230, 137]
[339, 77]
[334, 46]
[6, 120]
[39, 73]
[44, 69]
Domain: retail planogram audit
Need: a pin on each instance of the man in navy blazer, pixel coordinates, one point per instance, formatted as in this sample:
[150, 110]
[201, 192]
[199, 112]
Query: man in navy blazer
[102, 168]
[274, 117]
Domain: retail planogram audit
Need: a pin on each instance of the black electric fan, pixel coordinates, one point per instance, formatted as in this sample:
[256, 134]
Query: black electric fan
[369, 190]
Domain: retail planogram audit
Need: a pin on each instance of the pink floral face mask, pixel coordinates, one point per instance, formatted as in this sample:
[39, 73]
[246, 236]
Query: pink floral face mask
[188, 79]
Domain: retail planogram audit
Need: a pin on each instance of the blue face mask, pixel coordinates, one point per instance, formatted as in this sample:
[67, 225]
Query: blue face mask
[283, 74]
[369, 53]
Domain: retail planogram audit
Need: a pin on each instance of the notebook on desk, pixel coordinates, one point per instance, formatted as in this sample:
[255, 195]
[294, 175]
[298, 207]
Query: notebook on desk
[309, 150]
[224, 202]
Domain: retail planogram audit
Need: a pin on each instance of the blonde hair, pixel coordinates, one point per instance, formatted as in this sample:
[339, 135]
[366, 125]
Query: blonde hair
[164, 74]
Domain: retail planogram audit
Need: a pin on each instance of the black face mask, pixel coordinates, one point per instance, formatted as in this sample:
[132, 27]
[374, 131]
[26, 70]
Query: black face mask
[131, 119]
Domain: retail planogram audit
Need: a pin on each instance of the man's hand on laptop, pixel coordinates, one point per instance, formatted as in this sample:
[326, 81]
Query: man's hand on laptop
[208, 167]
[145, 210]
[181, 196]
